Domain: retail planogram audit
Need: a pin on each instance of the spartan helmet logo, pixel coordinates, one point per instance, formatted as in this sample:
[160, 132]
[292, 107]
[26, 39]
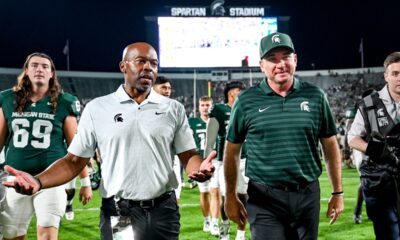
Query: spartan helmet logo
[380, 112]
[118, 118]
[304, 106]
[276, 39]
[217, 8]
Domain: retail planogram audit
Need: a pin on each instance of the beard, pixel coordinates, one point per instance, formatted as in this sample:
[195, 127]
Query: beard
[143, 87]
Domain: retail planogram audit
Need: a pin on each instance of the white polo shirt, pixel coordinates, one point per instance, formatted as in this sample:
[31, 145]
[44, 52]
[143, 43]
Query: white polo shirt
[137, 143]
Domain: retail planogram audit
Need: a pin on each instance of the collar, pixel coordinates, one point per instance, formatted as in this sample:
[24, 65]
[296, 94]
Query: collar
[384, 95]
[268, 90]
[122, 96]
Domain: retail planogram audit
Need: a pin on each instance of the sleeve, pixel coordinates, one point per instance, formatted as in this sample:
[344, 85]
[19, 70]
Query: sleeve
[357, 127]
[237, 126]
[211, 135]
[73, 104]
[328, 126]
[84, 142]
[183, 140]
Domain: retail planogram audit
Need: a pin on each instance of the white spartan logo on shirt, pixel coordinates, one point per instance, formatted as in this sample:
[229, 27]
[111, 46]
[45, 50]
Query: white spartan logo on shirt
[304, 106]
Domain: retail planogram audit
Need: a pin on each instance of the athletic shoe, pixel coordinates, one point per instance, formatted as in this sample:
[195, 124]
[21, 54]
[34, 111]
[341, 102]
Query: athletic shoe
[224, 231]
[357, 218]
[206, 226]
[69, 213]
[214, 230]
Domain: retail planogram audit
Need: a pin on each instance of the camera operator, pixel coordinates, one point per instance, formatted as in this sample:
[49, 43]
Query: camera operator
[374, 132]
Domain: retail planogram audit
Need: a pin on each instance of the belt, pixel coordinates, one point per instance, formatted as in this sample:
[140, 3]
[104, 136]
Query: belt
[151, 202]
[292, 187]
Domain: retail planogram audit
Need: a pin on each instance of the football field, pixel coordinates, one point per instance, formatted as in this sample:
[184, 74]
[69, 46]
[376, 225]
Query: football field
[85, 224]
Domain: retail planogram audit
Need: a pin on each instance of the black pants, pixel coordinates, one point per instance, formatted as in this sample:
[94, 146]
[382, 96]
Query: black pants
[283, 214]
[160, 222]
[382, 210]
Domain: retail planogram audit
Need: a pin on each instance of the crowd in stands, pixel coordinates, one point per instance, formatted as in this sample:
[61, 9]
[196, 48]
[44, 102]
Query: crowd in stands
[346, 92]
[343, 90]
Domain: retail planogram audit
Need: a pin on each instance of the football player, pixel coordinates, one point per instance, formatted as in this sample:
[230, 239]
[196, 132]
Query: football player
[36, 120]
[198, 126]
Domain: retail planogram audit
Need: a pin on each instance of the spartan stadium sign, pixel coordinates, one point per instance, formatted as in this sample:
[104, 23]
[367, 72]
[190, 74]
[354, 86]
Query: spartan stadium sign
[246, 12]
[188, 12]
[219, 11]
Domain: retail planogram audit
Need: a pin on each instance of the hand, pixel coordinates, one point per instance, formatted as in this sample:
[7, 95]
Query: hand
[23, 183]
[235, 210]
[335, 208]
[85, 195]
[206, 169]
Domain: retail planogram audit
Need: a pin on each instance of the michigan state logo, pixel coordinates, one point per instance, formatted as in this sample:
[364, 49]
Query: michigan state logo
[304, 106]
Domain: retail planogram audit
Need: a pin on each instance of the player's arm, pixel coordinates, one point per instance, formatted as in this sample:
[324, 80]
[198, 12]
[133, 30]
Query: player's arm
[333, 166]
[85, 193]
[70, 128]
[211, 135]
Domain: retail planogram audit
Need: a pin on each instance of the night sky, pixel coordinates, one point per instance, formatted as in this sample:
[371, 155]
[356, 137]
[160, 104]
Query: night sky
[325, 33]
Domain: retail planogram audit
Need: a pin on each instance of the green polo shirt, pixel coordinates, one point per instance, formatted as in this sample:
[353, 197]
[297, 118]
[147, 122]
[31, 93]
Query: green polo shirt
[282, 133]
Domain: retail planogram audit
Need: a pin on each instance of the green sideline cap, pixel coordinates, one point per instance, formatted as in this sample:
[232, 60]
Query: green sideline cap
[273, 41]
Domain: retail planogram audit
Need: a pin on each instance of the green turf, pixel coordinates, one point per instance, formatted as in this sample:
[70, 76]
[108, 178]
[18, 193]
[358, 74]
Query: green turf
[85, 224]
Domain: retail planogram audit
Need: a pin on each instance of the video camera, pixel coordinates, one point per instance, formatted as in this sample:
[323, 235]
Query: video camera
[392, 143]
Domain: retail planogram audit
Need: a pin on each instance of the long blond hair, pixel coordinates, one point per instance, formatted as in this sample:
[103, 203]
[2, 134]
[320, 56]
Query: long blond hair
[23, 87]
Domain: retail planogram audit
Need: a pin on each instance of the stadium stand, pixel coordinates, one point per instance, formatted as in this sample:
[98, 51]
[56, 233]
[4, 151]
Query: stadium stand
[343, 86]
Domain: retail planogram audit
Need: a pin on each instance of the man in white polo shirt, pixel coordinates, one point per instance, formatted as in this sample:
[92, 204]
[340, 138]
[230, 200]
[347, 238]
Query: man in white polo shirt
[137, 133]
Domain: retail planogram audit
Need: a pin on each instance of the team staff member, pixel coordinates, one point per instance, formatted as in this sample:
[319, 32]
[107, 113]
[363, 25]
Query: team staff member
[379, 112]
[137, 132]
[36, 119]
[282, 120]
[199, 126]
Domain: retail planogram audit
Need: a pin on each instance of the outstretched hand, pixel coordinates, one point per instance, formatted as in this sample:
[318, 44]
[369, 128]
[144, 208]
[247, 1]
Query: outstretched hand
[206, 169]
[23, 182]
